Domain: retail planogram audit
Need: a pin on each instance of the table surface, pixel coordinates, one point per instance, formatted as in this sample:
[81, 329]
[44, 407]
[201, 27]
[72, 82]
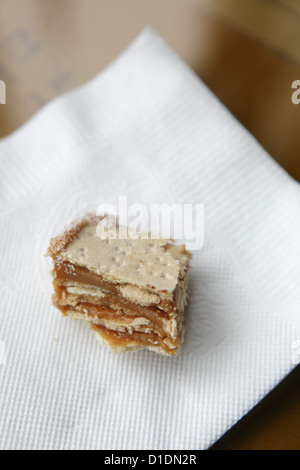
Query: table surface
[247, 52]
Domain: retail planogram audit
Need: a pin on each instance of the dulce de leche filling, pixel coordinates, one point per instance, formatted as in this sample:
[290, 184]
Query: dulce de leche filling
[102, 313]
[123, 340]
[68, 272]
[115, 309]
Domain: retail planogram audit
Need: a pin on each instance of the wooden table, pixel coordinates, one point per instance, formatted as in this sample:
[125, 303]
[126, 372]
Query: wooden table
[247, 52]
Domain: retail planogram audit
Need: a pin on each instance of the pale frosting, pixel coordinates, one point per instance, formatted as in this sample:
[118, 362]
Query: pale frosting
[151, 264]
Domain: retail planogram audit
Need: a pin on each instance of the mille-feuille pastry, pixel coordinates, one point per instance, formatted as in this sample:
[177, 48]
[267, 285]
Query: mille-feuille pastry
[131, 291]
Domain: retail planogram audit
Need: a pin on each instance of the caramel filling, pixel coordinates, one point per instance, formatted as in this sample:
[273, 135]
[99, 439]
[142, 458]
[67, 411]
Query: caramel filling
[120, 322]
[68, 272]
[123, 340]
[102, 313]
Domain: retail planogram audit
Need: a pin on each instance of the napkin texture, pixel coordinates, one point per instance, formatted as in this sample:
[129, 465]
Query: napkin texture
[148, 128]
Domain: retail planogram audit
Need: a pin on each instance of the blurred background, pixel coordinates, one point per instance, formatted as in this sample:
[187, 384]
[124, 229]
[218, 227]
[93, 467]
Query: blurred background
[246, 51]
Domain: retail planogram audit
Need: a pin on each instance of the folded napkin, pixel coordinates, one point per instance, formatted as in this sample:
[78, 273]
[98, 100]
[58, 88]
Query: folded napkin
[147, 128]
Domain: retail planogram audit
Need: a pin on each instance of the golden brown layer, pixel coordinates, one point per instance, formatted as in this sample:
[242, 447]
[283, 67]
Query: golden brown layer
[136, 340]
[104, 314]
[114, 311]
[124, 340]
[68, 272]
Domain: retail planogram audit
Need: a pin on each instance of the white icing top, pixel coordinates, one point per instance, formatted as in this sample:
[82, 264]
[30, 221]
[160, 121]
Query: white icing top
[152, 264]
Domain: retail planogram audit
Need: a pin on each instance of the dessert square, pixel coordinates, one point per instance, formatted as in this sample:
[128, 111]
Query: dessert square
[129, 289]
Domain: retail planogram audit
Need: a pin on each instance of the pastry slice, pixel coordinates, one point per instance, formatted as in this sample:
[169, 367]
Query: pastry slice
[131, 290]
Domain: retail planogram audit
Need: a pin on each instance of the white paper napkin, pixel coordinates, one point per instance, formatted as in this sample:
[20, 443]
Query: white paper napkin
[147, 128]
